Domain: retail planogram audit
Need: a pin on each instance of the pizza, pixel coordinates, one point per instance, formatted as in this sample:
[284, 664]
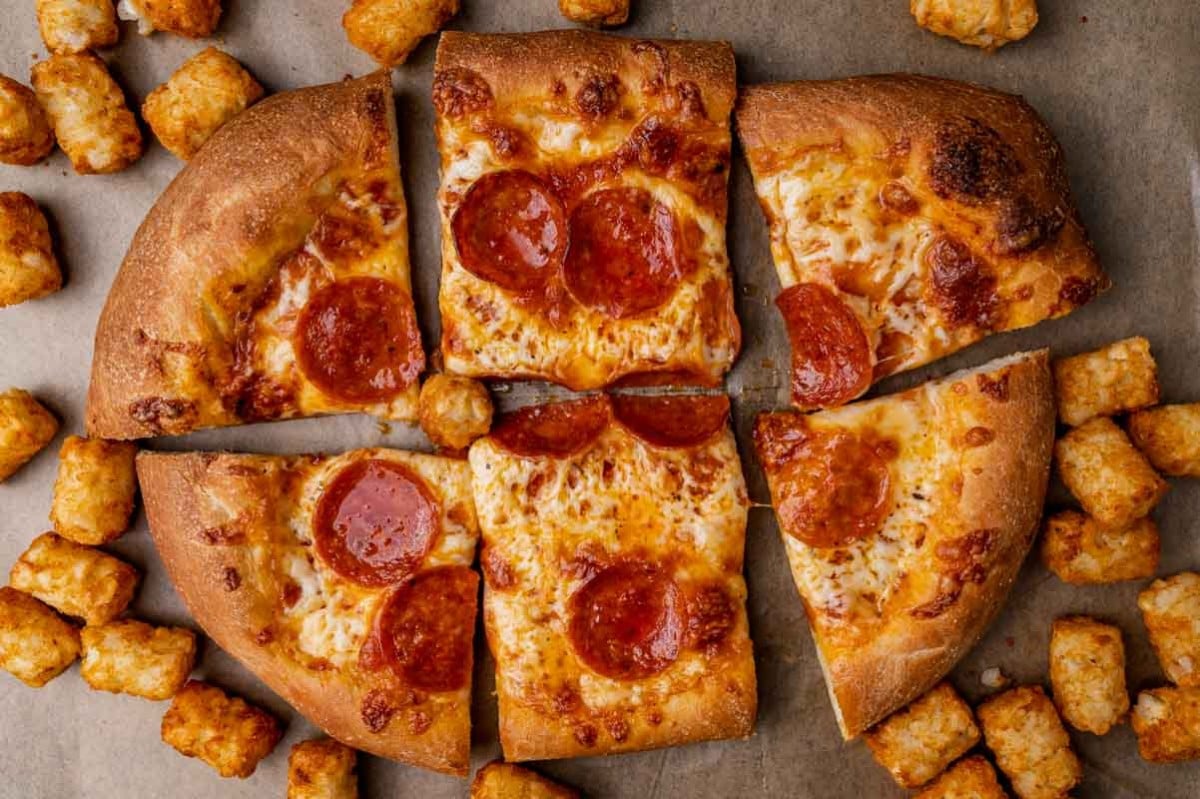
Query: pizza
[909, 218]
[343, 582]
[583, 206]
[270, 280]
[905, 519]
[614, 604]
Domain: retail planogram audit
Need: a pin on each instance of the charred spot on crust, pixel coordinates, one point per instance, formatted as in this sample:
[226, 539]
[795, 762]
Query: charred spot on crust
[221, 535]
[496, 569]
[971, 162]
[376, 711]
[1076, 291]
[231, 579]
[458, 91]
[598, 96]
[980, 436]
[379, 147]
[1021, 227]
[996, 388]
[565, 700]
[163, 415]
[691, 100]
[419, 721]
[586, 735]
[264, 636]
[963, 286]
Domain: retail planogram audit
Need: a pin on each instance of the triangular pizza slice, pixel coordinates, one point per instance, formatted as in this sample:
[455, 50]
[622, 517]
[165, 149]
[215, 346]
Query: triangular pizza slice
[343, 582]
[906, 519]
[910, 217]
[271, 278]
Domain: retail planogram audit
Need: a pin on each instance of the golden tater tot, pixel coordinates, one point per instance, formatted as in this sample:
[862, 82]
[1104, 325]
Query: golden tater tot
[989, 24]
[132, 657]
[93, 495]
[73, 26]
[322, 769]
[194, 19]
[1171, 610]
[389, 30]
[454, 411]
[223, 731]
[595, 12]
[1170, 437]
[36, 644]
[1110, 478]
[1081, 550]
[1087, 672]
[75, 580]
[971, 778]
[25, 427]
[28, 268]
[920, 741]
[1023, 730]
[1167, 724]
[25, 134]
[1121, 376]
[499, 780]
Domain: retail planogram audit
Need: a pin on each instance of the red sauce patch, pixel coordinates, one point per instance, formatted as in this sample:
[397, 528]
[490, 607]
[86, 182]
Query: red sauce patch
[626, 255]
[427, 626]
[357, 340]
[511, 230]
[626, 621]
[375, 522]
[557, 430]
[831, 356]
[963, 287]
[671, 421]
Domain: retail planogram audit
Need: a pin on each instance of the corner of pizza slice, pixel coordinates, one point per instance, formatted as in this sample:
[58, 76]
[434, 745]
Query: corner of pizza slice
[271, 278]
[583, 197]
[909, 217]
[906, 519]
[614, 603]
[343, 582]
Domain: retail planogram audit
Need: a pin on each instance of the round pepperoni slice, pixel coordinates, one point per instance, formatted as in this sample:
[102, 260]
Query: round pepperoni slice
[672, 421]
[426, 628]
[831, 357]
[558, 429]
[358, 341]
[511, 230]
[375, 522]
[626, 255]
[626, 621]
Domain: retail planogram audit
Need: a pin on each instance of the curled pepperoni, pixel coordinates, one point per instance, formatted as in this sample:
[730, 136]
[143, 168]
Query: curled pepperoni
[358, 341]
[510, 230]
[375, 522]
[626, 621]
[426, 627]
[626, 255]
[672, 421]
[831, 488]
[558, 429]
[831, 357]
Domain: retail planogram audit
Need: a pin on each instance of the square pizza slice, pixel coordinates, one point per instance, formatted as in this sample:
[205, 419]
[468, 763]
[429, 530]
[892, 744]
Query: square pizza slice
[614, 601]
[583, 200]
[343, 582]
[909, 218]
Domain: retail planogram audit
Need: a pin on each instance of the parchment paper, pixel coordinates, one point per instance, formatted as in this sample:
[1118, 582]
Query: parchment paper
[1118, 81]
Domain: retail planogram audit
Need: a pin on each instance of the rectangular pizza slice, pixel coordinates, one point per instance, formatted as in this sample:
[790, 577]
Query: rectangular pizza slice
[583, 201]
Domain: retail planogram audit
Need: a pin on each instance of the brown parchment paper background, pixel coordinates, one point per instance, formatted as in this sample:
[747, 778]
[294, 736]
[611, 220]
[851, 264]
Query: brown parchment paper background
[1118, 81]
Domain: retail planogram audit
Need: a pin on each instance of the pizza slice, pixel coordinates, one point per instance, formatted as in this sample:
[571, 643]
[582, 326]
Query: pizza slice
[910, 217]
[343, 582]
[583, 201]
[614, 604]
[270, 280]
[906, 519]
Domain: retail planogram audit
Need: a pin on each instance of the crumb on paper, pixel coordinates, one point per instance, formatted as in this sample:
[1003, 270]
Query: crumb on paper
[993, 678]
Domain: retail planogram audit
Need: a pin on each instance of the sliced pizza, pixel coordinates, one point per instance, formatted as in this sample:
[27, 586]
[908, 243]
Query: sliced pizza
[583, 201]
[343, 582]
[270, 280]
[614, 602]
[906, 519]
[910, 217]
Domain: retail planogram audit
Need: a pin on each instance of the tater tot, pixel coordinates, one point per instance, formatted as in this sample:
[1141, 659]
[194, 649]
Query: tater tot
[94, 127]
[989, 24]
[322, 769]
[1169, 436]
[210, 89]
[971, 778]
[1110, 478]
[595, 12]
[25, 134]
[1171, 610]
[73, 26]
[918, 743]
[389, 30]
[1032, 747]
[25, 427]
[76, 580]
[1167, 724]
[223, 731]
[1087, 673]
[93, 495]
[498, 780]
[36, 644]
[194, 19]
[1119, 377]
[28, 268]
[132, 657]
[454, 411]
[1080, 550]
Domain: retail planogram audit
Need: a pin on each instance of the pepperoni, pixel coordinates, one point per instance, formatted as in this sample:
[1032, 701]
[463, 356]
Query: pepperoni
[558, 429]
[375, 522]
[626, 622]
[358, 341]
[831, 357]
[511, 231]
[626, 255]
[672, 421]
[426, 628]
